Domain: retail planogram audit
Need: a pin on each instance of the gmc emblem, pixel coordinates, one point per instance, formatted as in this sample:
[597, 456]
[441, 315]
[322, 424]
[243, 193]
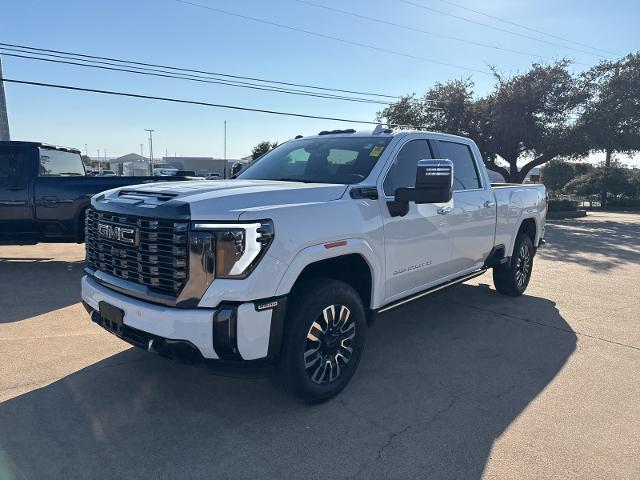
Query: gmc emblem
[117, 233]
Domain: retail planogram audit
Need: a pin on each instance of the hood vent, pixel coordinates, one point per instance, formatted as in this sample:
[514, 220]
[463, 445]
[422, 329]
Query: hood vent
[147, 197]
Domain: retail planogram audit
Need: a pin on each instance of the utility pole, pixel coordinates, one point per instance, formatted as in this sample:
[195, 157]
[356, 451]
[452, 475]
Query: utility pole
[142, 150]
[99, 162]
[4, 117]
[150, 130]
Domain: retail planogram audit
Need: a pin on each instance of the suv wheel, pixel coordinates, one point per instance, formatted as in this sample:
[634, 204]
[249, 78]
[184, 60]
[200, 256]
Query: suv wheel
[325, 333]
[513, 277]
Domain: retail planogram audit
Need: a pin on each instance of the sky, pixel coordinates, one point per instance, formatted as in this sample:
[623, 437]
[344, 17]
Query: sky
[172, 33]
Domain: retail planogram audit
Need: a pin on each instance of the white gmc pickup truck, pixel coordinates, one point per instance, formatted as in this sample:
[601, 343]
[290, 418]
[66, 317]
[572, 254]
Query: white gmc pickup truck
[291, 261]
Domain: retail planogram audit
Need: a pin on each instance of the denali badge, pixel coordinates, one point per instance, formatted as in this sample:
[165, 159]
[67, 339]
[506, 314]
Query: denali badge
[119, 234]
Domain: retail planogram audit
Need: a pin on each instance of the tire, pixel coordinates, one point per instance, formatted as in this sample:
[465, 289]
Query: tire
[324, 337]
[512, 278]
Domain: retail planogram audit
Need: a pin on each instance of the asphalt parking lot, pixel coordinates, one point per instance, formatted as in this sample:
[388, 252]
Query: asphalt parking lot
[462, 384]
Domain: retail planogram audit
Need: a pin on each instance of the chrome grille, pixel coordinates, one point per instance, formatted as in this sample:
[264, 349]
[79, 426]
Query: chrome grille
[158, 261]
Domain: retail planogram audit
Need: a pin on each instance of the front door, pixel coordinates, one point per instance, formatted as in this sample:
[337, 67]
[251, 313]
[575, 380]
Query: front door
[16, 211]
[417, 245]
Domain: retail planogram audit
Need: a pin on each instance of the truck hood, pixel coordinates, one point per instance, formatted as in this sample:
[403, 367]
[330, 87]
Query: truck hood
[223, 199]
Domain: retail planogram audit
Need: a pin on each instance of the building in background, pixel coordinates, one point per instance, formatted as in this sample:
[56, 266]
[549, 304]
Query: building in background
[203, 166]
[136, 165]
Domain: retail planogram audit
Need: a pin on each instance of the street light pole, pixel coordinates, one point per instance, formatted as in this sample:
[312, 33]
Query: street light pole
[150, 149]
[225, 149]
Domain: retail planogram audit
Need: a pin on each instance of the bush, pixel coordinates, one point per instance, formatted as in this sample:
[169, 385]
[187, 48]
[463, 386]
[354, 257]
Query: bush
[624, 203]
[563, 205]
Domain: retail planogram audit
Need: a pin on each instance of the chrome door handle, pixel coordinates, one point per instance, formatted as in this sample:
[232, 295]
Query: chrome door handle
[488, 204]
[444, 210]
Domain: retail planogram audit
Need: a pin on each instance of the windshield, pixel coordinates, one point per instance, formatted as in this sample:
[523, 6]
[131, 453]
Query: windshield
[58, 162]
[323, 160]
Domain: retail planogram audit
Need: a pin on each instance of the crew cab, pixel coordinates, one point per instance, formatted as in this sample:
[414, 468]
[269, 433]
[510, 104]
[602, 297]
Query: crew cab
[44, 192]
[292, 260]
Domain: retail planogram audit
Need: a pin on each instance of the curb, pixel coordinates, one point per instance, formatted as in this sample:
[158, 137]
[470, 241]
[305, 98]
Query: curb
[566, 214]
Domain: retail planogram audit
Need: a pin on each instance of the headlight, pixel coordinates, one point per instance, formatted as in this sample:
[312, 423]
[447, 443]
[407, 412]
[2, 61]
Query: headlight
[238, 246]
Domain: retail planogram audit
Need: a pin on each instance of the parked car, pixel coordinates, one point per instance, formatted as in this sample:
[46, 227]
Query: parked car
[106, 173]
[44, 192]
[290, 262]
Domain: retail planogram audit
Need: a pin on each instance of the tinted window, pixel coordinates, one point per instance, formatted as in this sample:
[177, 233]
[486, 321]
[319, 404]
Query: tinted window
[11, 162]
[58, 162]
[404, 167]
[465, 174]
[325, 160]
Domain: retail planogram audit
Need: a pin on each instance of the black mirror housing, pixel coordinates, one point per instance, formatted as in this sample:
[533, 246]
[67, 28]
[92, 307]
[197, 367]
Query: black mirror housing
[235, 168]
[434, 183]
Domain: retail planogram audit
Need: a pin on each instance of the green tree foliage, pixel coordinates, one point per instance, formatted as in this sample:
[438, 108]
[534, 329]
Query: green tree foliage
[262, 148]
[610, 121]
[611, 118]
[558, 172]
[615, 179]
[526, 119]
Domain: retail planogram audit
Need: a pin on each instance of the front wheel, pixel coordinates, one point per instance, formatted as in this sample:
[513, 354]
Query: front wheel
[512, 278]
[323, 342]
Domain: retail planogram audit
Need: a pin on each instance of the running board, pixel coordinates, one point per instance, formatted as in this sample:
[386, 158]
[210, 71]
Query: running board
[431, 290]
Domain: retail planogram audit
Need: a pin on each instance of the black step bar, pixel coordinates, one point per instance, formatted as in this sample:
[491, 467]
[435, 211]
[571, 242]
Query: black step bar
[431, 290]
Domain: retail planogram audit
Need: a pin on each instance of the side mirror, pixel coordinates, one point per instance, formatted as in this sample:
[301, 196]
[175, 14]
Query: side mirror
[434, 182]
[235, 168]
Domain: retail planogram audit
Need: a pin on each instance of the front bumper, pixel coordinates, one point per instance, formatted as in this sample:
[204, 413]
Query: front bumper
[233, 332]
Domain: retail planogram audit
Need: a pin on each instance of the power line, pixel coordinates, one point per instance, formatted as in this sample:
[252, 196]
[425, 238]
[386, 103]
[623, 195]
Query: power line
[226, 75]
[201, 80]
[120, 63]
[193, 102]
[420, 30]
[465, 19]
[515, 24]
[331, 37]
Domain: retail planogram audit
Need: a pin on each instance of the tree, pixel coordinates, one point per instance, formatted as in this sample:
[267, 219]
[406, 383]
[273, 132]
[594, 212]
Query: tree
[614, 178]
[610, 121]
[526, 118]
[262, 148]
[558, 172]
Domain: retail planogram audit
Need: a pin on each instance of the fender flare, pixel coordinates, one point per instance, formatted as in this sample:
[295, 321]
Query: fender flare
[319, 252]
[536, 218]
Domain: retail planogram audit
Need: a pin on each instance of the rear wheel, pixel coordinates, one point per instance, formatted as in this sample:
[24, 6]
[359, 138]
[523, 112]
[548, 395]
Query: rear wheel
[512, 278]
[324, 339]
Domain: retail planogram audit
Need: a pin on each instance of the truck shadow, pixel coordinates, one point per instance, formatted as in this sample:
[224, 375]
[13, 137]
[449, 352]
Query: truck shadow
[598, 244]
[33, 286]
[441, 379]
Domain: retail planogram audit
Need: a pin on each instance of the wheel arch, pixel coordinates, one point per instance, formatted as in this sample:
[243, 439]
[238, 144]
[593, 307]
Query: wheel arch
[530, 226]
[80, 221]
[353, 263]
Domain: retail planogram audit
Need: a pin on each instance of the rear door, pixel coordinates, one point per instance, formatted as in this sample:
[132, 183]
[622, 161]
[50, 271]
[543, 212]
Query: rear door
[417, 244]
[472, 220]
[17, 220]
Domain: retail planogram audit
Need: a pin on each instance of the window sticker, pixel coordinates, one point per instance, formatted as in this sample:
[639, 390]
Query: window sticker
[376, 151]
